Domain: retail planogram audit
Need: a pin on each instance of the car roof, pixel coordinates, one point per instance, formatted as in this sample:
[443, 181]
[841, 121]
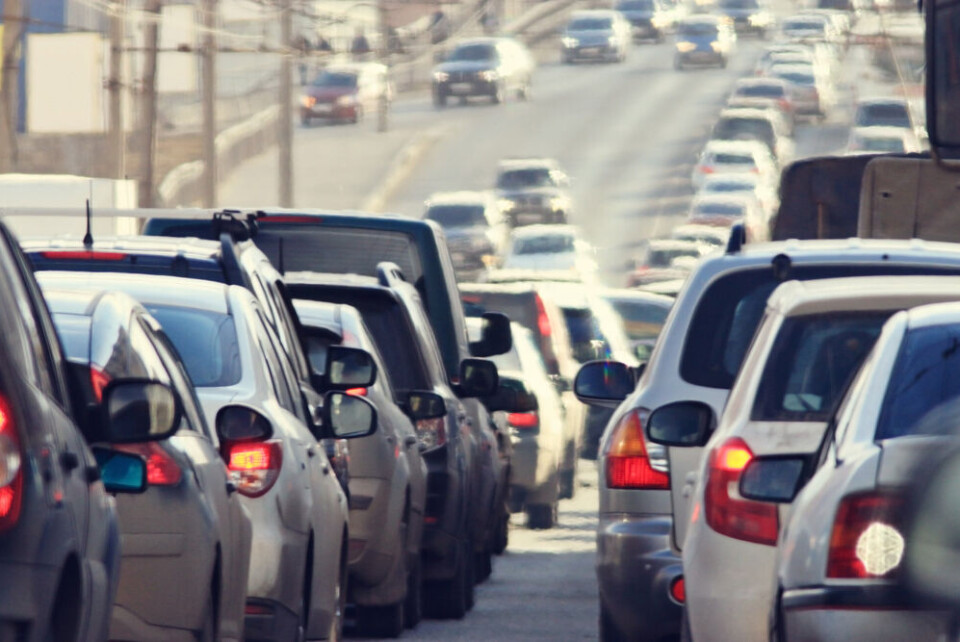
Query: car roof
[529, 231]
[623, 294]
[734, 146]
[329, 278]
[795, 298]
[527, 163]
[673, 244]
[933, 314]
[171, 246]
[463, 197]
[150, 289]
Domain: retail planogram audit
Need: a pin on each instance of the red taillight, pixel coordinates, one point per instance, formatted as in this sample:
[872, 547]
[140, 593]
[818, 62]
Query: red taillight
[543, 321]
[706, 169]
[627, 458]
[83, 255]
[98, 381]
[431, 432]
[866, 541]
[162, 469]
[357, 392]
[11, 473]
[523, 420]
[727, 512]
[254, 466]
[678, 591]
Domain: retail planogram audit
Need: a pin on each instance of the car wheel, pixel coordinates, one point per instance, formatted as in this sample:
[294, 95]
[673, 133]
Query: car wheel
[447, 599]
[541, 516]
[65, 617]
[413, 608]
[470, 580]
[208, 630]
[340, 602]
[609, 632]
[502, 538]
[483, 563]
[685, 627]
[568, 483]
[382, 621]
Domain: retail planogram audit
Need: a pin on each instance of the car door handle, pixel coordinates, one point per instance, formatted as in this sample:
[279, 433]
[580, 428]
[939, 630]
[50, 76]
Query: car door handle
[231, 488]
[410, 440]
[311, 451]
[325, 469]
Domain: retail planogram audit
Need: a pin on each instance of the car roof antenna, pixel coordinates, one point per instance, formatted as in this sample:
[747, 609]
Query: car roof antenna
[88, 237]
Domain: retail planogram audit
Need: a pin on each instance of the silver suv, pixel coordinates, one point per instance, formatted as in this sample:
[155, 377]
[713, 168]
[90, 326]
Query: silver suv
[644, 484]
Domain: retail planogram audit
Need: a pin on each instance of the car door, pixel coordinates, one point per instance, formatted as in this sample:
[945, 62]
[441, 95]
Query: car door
[202, 446]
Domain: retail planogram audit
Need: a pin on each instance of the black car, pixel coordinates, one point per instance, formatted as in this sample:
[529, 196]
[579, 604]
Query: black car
[533, 191]
[456, 525]
[59, 536]
[748, 16]
[493, 68]
[649, 19]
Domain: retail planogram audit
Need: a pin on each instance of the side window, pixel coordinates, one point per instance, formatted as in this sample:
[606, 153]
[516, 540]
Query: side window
[286, 371]
[179, 379]
[272, 360]
[432, 352]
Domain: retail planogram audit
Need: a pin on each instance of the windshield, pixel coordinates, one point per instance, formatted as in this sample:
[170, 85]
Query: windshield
[473, 53]
[207, 343]
[803, 25]
[923, 394]
[636, 5]
[552, 244]
[883, 116]
[697, 29]
[335, 79]
[589, 24]
[457, 215]
[761, 91]
[664, 257]
[811, 362]
[724, 187]
[797, 78]
[739, 4]
[524, 178]
[731, 159]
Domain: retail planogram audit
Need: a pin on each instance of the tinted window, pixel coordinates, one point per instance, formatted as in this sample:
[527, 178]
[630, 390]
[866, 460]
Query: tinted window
[739, 4]
[923, 395]
[697, 29]
[883, 115]
[745, 129]
[761, 91]
[457, 215]
[473, 52]
[636, 5]
[551, 244]
[587, 341]
[732, 159]
[728, 312]
[720, 209]
[641, 320]
[728, 186]
[879, 144]
[522, 178]
[335, 79]
[589, 24]
[798, 78]
[811, 362]
[664, 258]
[207, 343]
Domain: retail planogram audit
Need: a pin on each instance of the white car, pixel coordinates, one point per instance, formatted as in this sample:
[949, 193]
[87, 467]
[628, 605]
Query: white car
[765, 125]
[715, 238]
[813, 92]
[813, 338]
[896, 140]
[550, 248]
[726, 209]
[745, 183]
[475, 226]
[809, 27]
[888, 112]
[729, 156]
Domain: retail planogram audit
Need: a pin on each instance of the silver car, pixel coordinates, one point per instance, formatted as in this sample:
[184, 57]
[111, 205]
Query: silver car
[598, 34]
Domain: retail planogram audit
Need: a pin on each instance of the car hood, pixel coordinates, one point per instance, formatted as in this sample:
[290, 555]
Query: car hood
[329, 94]
[466, 65]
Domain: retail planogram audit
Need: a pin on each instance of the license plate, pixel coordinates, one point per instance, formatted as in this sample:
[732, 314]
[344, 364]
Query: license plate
[461, 88]
[529, 219]
[323, 109]
[702, 55]
[590, 50]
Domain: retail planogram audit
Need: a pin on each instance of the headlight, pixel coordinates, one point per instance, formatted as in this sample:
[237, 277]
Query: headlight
[715, 46]
[349, 99]
[685, 47]
[488, 75]
[569, 42]
[755, 19]
[441, 76]
[612, 40]
[308, 101]
[558, 203]
[505, 204]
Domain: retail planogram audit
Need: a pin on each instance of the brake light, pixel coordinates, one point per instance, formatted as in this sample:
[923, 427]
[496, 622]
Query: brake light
[866, 541]
[523, 420]
[254, 466]
[706, 169]
[11, 473]
[162, 469]
[543, 321]
[678, 590]
[98, 381]
[431, 433]
[628, 459]
[83, 255]
[727, 512]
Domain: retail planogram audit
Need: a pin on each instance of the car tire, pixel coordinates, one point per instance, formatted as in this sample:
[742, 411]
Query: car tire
[685, 635]
[470, 581]
[483, 563]
[413, 608]
[609, 632]
[541, 516]
[568, 483]
[340, 595]
[502, 537]
[382, 621]
[446, 600]
[208, 629]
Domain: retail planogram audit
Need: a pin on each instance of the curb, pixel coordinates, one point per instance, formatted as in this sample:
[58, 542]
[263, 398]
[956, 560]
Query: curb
[401, 167]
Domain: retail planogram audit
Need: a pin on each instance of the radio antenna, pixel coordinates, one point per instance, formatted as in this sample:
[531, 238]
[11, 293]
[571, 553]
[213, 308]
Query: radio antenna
[88, 237]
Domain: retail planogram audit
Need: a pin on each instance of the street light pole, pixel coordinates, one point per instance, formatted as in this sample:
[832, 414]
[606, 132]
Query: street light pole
[10, 84]
[209, 92]
[285, 123]
[148, 107]
[116, 87]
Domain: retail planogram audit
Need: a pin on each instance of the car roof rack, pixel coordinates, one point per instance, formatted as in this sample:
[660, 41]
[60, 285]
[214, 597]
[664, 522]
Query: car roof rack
[738, 236]
[389, 273]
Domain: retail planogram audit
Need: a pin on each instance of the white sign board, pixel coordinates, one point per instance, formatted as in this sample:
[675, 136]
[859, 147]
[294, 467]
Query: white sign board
[65, 83]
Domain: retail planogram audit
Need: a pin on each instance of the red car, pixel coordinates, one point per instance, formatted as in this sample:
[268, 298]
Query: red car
[346, 93]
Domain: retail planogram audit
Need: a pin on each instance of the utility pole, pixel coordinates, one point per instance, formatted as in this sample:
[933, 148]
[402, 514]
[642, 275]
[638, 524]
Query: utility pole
[116, 87]
[285, 135]
[148, 106]
[383, 104]
[209, 91]
[10, 85]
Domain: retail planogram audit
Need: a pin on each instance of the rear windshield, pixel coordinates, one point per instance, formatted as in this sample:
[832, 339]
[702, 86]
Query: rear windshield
[732, 159]
[923, 395]
[641, 320]
[812, 360]
[473, 53]
[739, 4]
[761, 91]
[521, 308]
[586, 339]
[207, 343]
[664, 258]
[522, 178]
[841, 5]
[803, 25]
[745, 129]
[719, 209]
[636, 5]
[729, 310]
[881, 144]
[798, 78]
[589, 24]
[696, 29]
[724, 187]
[457, 215]
[883, 115]
[552, 244]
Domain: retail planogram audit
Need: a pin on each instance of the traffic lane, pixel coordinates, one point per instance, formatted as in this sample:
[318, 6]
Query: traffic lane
[543, 588]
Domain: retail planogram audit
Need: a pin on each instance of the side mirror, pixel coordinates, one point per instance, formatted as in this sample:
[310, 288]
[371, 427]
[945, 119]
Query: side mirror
[603, 383]
[349, 368]
[478, 378]
[773, 479]
[512, 396]
[684, 424]
[136, 410]
[121, 472]
[425, 405]
[236, 423]
[496, 337]
[347, 416]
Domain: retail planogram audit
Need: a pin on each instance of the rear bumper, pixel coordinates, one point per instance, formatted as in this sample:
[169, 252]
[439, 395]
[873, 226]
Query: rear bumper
[273, 621]
[858, 613]
[442, 521]
[700, 58]
[635, 567]
[127, 625]
[26, 593]
[330, 111]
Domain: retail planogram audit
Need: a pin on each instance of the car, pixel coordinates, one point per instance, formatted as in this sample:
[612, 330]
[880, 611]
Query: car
[657, 261]
[812, 341]
[347, 93]
[460, 515]
[748, 16]
[764, 93]
[388, 482]
[764, 125]
[649, 19]
[535, 429]
[235, 360]
[887, 112]
[494, 68]
[533, 190]
[550, 248]
[704, 40]
[893, 140]
[644, 512]
[475, 227]
[741, 183]
[643, 315]
[735, 156]
[808, 27]
[821, 55]
[61, 586]
[188, 531]
[595, 34]
[896, 417]
[726, 209]
[531, 305]
[813, 93]
[230, 259]
[712, 237]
